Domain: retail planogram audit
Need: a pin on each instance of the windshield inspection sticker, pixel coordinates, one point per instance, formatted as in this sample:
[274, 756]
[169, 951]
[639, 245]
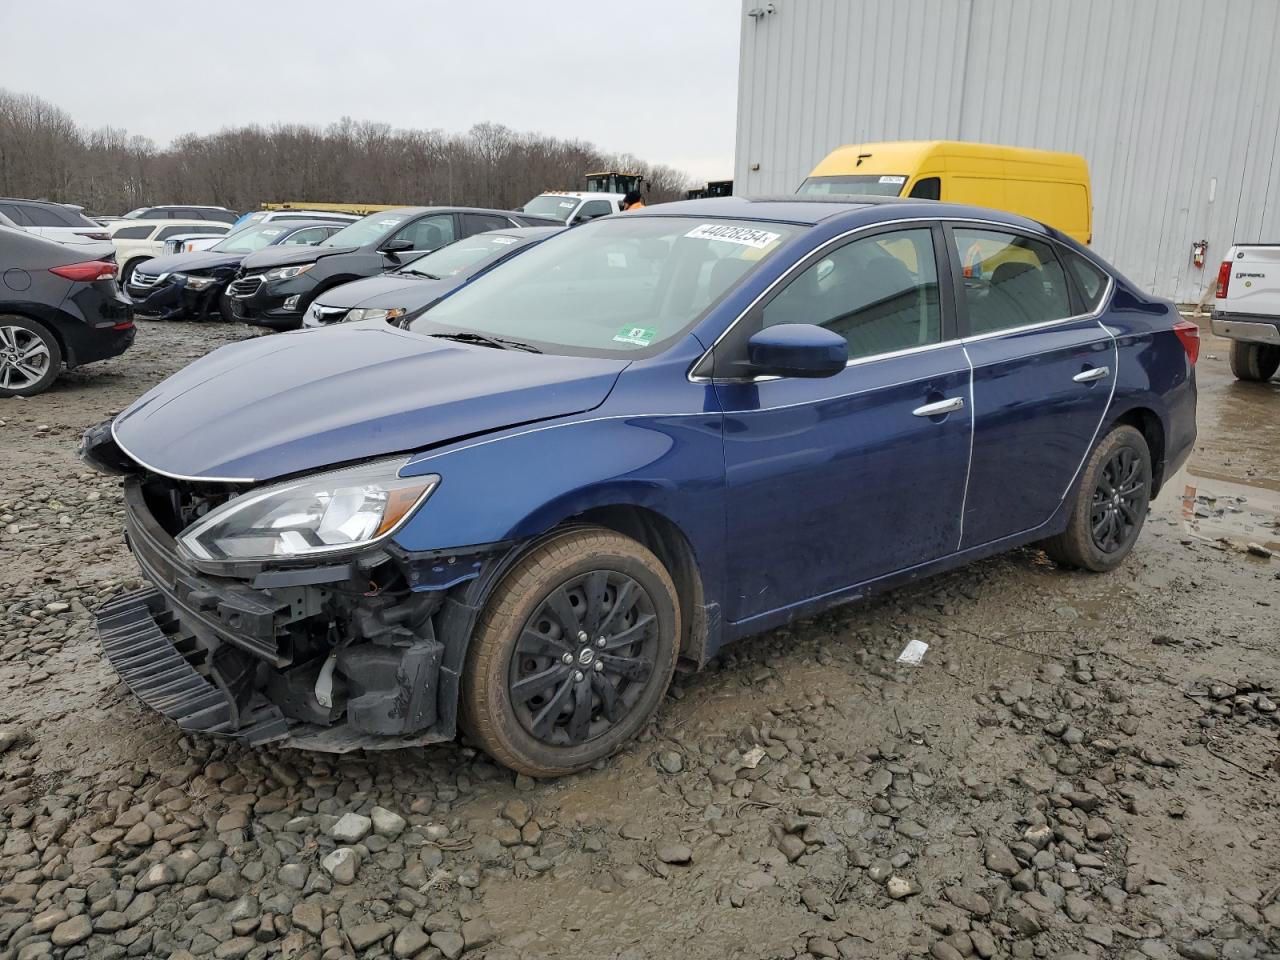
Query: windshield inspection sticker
[898, 180]
[746, 236]
[640, 336]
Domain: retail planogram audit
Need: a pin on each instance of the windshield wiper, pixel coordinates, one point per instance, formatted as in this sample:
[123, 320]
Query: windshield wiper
[415, 274]
[501, 343]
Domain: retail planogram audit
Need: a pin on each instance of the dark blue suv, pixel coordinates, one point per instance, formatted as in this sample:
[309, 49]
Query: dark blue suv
[641, 440]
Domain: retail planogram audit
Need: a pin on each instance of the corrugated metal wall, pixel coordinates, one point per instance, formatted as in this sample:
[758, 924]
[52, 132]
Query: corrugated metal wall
[1174, 103]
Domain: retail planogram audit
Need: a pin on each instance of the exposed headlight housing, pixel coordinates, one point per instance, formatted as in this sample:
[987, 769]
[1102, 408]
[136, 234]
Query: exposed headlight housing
[322, 514]
[196, 283]
[287, 273]
[394, 313]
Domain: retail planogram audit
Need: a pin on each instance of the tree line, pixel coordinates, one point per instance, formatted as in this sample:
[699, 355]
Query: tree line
[44, 154]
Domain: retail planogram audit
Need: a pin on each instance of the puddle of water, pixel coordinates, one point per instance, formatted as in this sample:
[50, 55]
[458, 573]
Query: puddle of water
[1214, 507]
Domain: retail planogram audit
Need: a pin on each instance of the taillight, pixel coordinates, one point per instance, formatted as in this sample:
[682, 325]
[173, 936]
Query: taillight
[1224, 279]
[1189, 336]
[86, 272]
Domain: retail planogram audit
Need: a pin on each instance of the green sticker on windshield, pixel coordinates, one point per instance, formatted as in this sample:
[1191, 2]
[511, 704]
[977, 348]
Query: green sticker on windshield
[640, 336]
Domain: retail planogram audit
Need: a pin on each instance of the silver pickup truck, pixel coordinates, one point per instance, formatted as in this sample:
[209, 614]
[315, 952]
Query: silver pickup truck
[1247, 309]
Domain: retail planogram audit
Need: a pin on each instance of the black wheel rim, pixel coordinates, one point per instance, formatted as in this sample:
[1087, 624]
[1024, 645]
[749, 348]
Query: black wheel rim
[583, 658]
[1118, 500]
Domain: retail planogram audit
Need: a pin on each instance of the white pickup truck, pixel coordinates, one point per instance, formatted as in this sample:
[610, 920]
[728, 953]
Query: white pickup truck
[1247, 309]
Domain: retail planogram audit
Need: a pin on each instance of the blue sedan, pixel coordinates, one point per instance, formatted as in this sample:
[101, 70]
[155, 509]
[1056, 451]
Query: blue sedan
[639, 441]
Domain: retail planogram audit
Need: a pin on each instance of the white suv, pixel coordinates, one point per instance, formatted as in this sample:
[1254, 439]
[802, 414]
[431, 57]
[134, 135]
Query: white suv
[137, 241]
[56, 221]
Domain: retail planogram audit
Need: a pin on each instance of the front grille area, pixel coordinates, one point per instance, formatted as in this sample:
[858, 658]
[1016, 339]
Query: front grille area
[144, 280]
[245, 287]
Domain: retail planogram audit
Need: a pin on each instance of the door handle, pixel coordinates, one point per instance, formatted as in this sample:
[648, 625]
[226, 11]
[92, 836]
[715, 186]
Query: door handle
[1092, 374]
[939, 408]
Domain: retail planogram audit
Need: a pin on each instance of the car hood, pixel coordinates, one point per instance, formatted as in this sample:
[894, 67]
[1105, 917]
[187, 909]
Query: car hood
[288, 256]
[198, 262]
[296, 402]
[386, 291]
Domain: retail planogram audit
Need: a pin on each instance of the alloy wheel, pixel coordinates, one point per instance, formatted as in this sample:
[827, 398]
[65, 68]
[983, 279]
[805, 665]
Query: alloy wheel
[583, 658]
[1114, 512]
[24, 358]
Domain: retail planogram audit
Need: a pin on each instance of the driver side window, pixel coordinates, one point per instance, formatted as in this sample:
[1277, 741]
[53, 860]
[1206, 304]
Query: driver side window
[429, 233]
[880, 293]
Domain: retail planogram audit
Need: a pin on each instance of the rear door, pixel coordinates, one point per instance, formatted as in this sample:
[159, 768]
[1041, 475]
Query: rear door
[1043, 371]
[473, 223]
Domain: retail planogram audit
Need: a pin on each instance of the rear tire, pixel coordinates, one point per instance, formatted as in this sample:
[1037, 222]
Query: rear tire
[1254, 361]
[30, 357]
[572, 654]
[1110, 504]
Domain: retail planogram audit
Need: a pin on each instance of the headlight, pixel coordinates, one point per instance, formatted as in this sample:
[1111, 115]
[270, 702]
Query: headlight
[287, 273]
[369, 314]
[196, 283]
[325, 513]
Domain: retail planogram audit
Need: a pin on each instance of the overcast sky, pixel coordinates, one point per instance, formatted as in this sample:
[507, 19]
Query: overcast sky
[656, 78]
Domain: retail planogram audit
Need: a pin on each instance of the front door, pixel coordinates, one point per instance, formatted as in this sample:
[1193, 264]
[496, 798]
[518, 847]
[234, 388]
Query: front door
[1042, 379]
[834, 482]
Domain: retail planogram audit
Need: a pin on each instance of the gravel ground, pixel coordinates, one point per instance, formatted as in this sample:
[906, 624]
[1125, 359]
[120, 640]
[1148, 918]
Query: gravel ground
[1081, 766]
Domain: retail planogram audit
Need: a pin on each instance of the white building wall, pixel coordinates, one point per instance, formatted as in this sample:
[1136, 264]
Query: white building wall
[1175, 104]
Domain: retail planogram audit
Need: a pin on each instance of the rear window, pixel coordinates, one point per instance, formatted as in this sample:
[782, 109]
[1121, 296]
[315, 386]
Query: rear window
[40, 215]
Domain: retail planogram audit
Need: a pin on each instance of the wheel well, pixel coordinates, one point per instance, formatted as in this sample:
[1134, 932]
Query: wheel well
[671, 547]
[1148, 424]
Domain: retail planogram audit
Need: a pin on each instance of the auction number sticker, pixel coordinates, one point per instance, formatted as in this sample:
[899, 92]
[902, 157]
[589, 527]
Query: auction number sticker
[390, 222]
[640, 336]
[898, 180]
[746, 236]
[505, 241]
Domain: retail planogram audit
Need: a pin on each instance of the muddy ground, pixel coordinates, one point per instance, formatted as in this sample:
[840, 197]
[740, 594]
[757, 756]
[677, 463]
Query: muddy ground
[1081, 766]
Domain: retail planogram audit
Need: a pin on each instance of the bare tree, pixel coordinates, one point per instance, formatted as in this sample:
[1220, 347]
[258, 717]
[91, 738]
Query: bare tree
[43, 154]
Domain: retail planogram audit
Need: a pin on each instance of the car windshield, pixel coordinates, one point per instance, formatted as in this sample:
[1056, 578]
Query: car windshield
[451, 260]
[250, 239]
[864, 185]
[551, 205]
[369, 230]
[612, 288]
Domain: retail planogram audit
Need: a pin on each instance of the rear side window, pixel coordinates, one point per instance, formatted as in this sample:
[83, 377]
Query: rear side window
[482, 222]
[133, 233]
[1009, 280]
[1091, 281]
[14, 213]
[167, 232]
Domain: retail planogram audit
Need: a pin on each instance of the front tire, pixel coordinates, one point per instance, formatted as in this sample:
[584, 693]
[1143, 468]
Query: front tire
[30, 357]
[126, 273]
[1254, 361]
[572, 654]
[1110, 504]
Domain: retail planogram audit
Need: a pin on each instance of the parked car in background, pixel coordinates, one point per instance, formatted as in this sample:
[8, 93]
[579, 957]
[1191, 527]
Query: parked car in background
[1247, 309]
[135, 243]
[191, 284]
[572, 207]
[56, 221]
[183, 212]
[188, 244]
[640, 440]
[57, 310]
[400, 295]
[275, 288]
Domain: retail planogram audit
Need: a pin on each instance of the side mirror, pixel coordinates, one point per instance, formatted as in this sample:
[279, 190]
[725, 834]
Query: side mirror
[397, 246]
[579, 220]
[797, 350]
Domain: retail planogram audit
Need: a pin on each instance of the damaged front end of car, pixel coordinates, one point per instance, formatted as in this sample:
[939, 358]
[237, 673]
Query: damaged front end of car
[285, 612]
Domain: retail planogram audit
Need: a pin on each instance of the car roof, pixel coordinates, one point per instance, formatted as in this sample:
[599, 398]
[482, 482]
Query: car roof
[810, 210]
[45, 203]
[525, 233]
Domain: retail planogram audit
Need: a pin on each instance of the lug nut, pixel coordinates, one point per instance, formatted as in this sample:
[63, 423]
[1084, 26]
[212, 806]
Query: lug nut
[601, 642]
[578, 676]
[599, 667]
[582, 636]
[566, 658]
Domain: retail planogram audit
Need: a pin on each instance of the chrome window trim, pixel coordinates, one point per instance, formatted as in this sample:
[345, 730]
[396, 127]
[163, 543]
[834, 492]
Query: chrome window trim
[1096, 312]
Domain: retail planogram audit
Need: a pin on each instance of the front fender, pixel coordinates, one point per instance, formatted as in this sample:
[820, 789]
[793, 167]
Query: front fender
[524, 482]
